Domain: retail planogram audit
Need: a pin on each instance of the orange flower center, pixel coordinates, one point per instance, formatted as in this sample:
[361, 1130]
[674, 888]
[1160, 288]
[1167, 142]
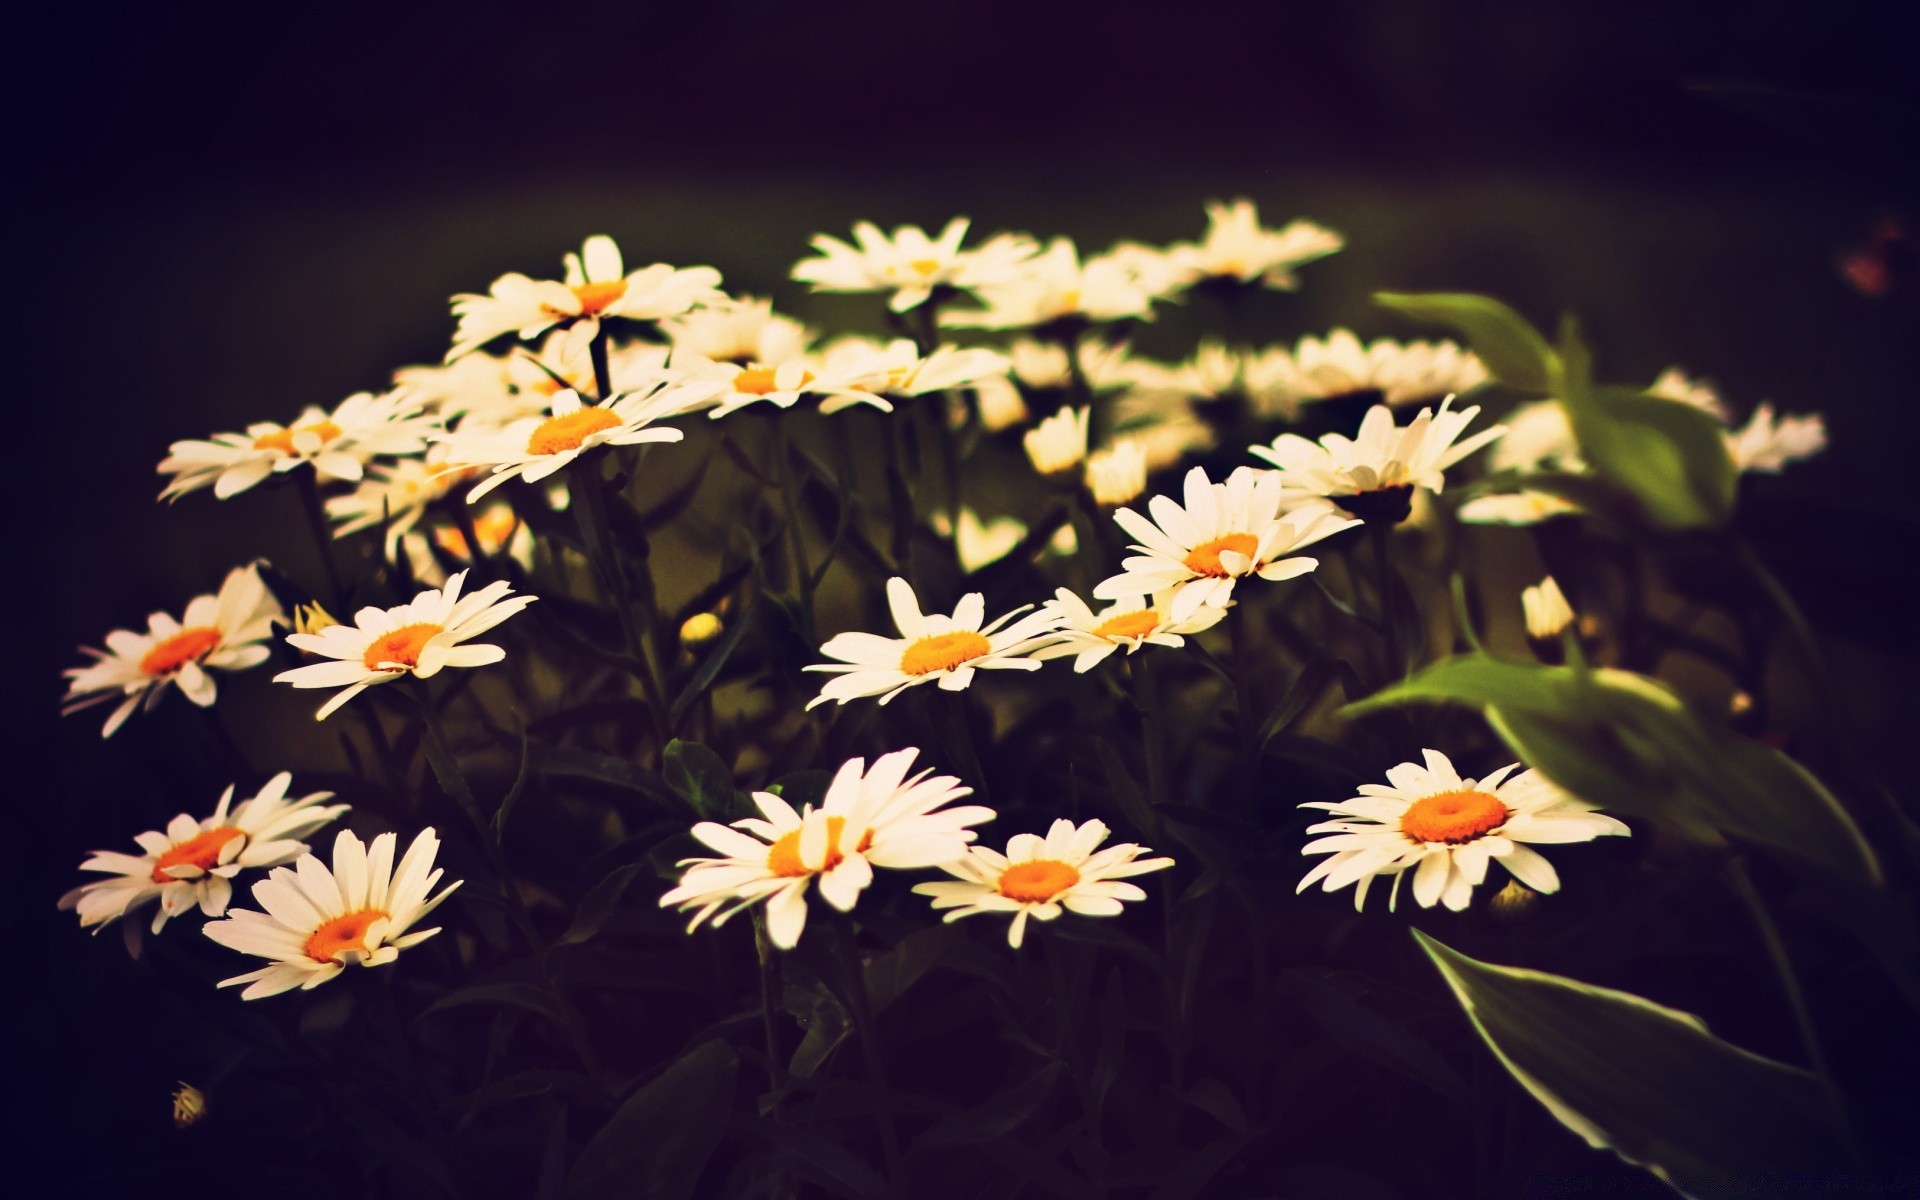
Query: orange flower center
[567, 431]
[595, 297]
[201, 850]
[177, 650]
[402, 646]
[943, 651]
[1038, 881]
[493, 527]
[1128, 625]
[1453, 817]
[758, 381]
[282, 439]
[334, 938]
[1204, 559]
[783, 857]
[925, 266]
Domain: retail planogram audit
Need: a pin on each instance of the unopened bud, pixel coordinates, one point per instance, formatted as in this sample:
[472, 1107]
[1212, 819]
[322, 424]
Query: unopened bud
[189, 1105]
[1059, 443]
[1513, 902]
[1741, 704]
[700, 628]
[311, 618]
[1546, 609]
[1001, 406]
[1118, 473]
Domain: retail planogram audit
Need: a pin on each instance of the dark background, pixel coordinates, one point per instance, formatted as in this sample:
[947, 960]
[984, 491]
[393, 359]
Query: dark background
[219, 218]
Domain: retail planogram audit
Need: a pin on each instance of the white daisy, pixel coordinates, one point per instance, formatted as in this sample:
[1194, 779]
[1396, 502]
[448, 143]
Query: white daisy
[1104, 365]
[1236, 247]
[909, 263]
[1043, 877]
[1674, 384]
[1059, 443]
[857, 370]
[337, 445]
[193, 862]
[1054, 286]
[1525, 507]
[978, 543]
[1281, 380]
[733, 386]
[1128, 624]
[596, 285]
[1001, 404]
[1373, 474]
[878, 818]
[742, 330]
[1163, 421]
[420, 638]
[933, 648]
[1118, 473]
[533, 448]
[318, 922]
[395, 494]
[1766, 443]
[1226, 532]
[1446, 829]
[1546, 609]
[222, 632]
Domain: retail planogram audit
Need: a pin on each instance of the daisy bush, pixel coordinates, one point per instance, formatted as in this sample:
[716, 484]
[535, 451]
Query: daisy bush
[655, 850]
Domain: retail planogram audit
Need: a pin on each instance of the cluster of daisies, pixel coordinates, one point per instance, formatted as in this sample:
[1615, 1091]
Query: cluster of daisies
[547, 374]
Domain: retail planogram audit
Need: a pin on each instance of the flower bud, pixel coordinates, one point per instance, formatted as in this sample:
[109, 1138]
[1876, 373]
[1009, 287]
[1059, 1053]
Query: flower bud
[1546, 609]
[311, 618]
[1000, 404]
[1059, 443]
[1118, 473]
[1513, 902]
[700, 628]
[189, 1105]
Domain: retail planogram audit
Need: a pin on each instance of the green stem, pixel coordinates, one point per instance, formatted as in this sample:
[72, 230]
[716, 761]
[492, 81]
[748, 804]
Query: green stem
[308, 485]
[602, 373]
[860, 1010]
[899, 495]
[776, 1076]
[796, 535]
[1146, 701]
[1381, 534]
[1241, 639]
[585, 487]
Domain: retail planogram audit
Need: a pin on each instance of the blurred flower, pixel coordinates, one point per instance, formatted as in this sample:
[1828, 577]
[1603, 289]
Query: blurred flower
[931, 649]
[910, 264]
[1372, 475]
[1524, 507]
[312, 618]
[1058, 443]
[1279, 380]
[1513, 901]
[1226, 532]
[1118, 473]
[192, 861]
[1673, 384]
[878, 818]
[1546, 609]
[744, 331]
[861, 371]
[1001, 405]
[1214, 371]
[1766, 443]
[395, 494]
[222, 632]
[533, 448]
[337, 445]
[420, 638]
[499, 529]
[1540, 436]
[978, 543]
[1104, 365]
[1042, 877]
[189, 1105]
[596, 285]
[318, 921]
[1236, 247]
[700, 628]
[1445, 830]
[1055, 286]
[1128, 624]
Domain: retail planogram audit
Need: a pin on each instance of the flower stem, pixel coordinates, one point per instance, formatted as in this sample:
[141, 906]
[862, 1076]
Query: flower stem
[584, 486]
[1241, 639]
[1381, 534]
[776, 1076]
[860, 1010]
[316, 514]
[796, 534]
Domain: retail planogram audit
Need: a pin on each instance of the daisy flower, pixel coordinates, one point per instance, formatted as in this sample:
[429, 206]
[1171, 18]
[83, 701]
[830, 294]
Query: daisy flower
[1525, 507]
[931, 649]
[1118, 473]
[1445, 829]
[596, 285]
[745, 331]
[193, 862]
[1055, 286]
[1059, 443]
[1237, 248]
[222, 632]
[317, 922]
[1766, 443]
[533, 448]
[499, 529]
[857, 370]
[1104, 365]
[1340, 365]
[869, 818]
[1128, 624]
[420, 638]
[1372, 475]
[1042, 877]
[1225, 533]
[1001, 404]
[395, 494]
[1546, 609]
[337, 445]
[910, 264]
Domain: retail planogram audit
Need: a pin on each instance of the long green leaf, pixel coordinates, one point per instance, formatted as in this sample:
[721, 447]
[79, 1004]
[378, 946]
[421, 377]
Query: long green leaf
[1511, 347]
[655, 1146]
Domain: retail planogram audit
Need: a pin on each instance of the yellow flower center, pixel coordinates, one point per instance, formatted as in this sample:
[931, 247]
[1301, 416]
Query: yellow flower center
[1128, 625]
[493, 527]
[567, 431]
[1038, 881]
[402, 646]
[334, 938]
[1204, 559]
[925, 266]
[783, 857]
[201, 850]
[943, 651]
[758, 381]
[282, 439]
[1453, 817]
[595, 297]
[177, 650]
[1070, 300]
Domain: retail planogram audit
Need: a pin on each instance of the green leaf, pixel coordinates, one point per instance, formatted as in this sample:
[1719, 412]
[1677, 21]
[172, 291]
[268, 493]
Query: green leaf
[706, 782]
[655, 1146]
[1630, 745]
[572, 762]
[1645, 1081]
[887, 979]
[1511, 347]
[599, 904]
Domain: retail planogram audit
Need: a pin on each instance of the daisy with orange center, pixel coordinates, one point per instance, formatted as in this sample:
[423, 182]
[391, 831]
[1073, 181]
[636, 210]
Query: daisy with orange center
[1043, 877]
[596, 286]
[1127, 624]
[532, 448]
[223, 632]
[192, 862]
[1373, 474]
[1225, 533]
[857, 370]
[317, 922]
[499, 529]
[910, 264]
[868, 818]
[1238, 248]
[932, 648]
[420, 638]
[337, 445]
[1446, 830]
